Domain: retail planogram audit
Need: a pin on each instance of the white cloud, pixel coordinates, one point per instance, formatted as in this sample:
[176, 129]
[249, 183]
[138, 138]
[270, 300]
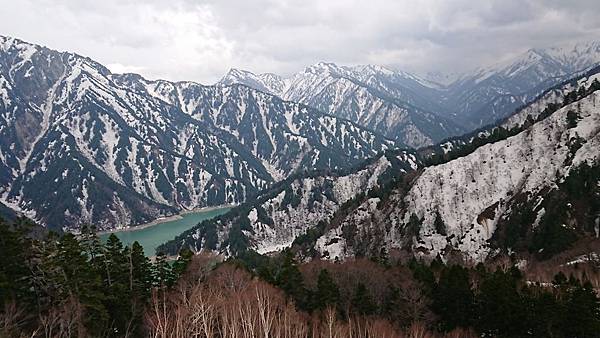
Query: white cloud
[200, 40]
[121, 69]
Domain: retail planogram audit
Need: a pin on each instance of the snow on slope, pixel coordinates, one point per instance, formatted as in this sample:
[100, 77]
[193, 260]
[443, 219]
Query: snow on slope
[122, 150]
[280, 215]
[267, 82]
[418, 112]
[461, 190]
[493, 92]
[472, 193]
[395, 103]
[552, 96]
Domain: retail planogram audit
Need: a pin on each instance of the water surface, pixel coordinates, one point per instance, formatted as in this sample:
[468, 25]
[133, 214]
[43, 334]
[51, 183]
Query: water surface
[152, 236]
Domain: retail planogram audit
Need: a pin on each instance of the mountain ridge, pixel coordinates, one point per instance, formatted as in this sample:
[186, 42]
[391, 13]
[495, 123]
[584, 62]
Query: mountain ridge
[375, 97]
[553, 137]
[475, 98]
[148, 148]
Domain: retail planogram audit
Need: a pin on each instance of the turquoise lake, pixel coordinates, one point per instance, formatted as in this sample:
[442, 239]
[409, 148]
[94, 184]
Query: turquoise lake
[153, 236]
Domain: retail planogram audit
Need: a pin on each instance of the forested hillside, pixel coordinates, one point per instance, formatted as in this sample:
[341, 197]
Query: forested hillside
[65, 286]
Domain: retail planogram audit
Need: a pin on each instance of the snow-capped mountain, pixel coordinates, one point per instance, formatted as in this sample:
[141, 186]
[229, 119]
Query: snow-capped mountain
[267, 82]
[286, 211]
[422, 112]
[81, 145]
[442, 79]
[397, 104]
[513, 194]
[536, 189]
[576, 57]
[494, 92]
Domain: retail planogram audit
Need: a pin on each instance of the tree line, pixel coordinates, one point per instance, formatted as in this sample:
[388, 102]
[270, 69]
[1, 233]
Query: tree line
[79, 286]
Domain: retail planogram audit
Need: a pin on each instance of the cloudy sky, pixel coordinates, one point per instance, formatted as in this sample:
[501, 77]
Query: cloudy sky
[200, 40]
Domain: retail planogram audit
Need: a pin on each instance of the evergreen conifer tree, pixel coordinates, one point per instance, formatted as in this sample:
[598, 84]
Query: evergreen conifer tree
[453, 298]
[362, 302]
[289, 278]
[327, 293]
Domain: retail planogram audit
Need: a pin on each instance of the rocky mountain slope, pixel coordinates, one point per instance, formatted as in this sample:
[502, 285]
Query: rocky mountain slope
[421, 112]
[399, 105]
[292, 209]
[81, 145]
[535, 189]
[516, 194]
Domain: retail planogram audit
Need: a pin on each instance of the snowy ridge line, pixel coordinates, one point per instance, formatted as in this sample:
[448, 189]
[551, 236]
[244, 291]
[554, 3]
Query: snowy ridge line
[121, 150]
[517, 121]
[355, 93]
[458, 205]
[476, 99]
[286, 210]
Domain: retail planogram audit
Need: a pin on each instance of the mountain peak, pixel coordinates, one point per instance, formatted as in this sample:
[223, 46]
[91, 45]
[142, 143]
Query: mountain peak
[267, 82]
[236, 73]
[322, 67]
[6, 43]
[535, 53]
[374, 69]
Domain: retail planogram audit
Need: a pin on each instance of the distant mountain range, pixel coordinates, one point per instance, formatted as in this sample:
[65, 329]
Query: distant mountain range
[396, 104]
[80, 145]
[421, 112]
[491, 93]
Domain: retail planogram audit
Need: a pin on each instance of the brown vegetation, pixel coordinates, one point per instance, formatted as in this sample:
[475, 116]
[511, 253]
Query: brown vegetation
[230, 302]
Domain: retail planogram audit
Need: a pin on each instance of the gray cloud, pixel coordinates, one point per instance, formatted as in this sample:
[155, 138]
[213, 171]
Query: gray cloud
[201, 40]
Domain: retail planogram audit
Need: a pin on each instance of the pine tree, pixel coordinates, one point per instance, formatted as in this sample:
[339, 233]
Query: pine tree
[140, 271]
[93, 246]
[80, 282]
[501, 308]
[559, 279]
[582, 312]
[413, 227]
[439, 225]
[453, 298]
[422, 273]
[163, 272]
[289, 279]
[182, 262]
[544, 314]
[327, 293]
[572, 119]
[362, 302]
[392, 303]
[117, 284]
[14, 273]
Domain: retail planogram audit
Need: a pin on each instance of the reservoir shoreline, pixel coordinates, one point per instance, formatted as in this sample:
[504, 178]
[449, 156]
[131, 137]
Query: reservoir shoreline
[153, 234]
[165, 219]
